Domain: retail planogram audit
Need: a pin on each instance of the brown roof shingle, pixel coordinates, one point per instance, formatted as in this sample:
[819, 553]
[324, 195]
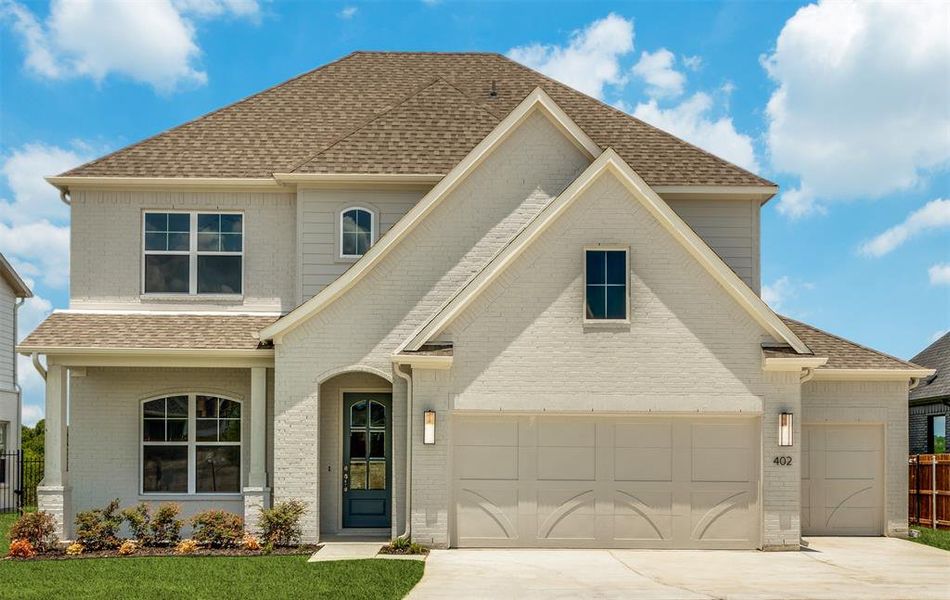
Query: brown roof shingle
[841, 353]
[138, 331]
[385, 112]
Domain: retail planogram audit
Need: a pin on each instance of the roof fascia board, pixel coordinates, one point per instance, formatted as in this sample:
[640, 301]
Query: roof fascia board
[19, 287]
[153, 357]
[870, 374]
[440, 363]
[762, 193]
[793, 363]
[536, 100]
[609, 161]
[177, 183]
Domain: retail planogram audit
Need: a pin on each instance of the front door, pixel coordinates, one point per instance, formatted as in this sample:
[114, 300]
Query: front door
[367, 459]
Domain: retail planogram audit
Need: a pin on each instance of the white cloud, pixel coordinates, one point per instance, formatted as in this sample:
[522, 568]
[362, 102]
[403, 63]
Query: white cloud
[31, 314]
[348, 12]
[151, 41]
[934, 215]
[38, 250]
[590, 60]
[657, 70]
[33, 197]
[693, 63]
[939, 274]
[862, 105]
[782, 291]
[31, 412]
[693, 121]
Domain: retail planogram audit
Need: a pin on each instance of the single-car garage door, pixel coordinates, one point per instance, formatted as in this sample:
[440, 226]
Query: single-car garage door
[842, 480]
[605, 482]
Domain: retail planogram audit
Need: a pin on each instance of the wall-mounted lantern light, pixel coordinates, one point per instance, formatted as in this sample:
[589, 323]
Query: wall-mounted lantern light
[785, 429]
[428, 433]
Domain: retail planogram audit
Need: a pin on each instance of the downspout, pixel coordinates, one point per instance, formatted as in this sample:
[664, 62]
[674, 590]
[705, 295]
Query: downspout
[16, 383]
[914, 382]
[407, 375]
[38, 365]
[64, 196]
[807, 374]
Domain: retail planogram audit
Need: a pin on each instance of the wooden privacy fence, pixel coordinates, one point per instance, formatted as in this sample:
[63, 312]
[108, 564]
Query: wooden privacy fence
[929, 490]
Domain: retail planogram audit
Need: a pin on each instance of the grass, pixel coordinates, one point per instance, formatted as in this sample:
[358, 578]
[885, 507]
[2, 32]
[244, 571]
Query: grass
[196, 578]
[938, 538]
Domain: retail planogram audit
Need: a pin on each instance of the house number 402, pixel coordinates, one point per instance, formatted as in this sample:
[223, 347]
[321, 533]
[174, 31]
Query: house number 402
[783, 461]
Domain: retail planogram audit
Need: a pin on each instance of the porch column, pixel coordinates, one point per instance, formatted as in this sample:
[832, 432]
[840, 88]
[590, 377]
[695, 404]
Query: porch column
[53, 493]
[257, 494]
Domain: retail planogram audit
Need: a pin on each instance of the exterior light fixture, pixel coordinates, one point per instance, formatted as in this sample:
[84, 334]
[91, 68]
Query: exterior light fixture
[428, 434]
[785, 429]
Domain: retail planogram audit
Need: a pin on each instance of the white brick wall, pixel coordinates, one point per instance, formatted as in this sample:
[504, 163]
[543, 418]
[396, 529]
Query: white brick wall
[869, 402]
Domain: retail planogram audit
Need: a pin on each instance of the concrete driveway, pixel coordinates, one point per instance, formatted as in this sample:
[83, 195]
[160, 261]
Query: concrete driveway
[832, 568]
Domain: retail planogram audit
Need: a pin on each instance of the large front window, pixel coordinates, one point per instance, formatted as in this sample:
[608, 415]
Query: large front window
[191, 444]
[193, 253]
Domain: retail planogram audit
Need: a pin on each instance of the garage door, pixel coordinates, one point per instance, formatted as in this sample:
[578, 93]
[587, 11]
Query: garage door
[842, 480]
[602, 482]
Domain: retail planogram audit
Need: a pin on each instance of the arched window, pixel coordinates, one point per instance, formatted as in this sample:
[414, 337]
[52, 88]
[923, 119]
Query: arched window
[191, 444]
[357, 230]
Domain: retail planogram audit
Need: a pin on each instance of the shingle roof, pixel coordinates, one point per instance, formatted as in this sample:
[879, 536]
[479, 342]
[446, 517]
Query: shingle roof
[385, 112]
[132, 331]
[841, 353]
[934, 356]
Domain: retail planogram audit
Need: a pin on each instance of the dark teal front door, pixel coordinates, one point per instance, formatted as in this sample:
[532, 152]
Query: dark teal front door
[367, 459]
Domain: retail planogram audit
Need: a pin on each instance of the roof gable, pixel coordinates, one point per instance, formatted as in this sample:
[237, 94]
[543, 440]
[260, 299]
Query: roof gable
[9, 274]
[935, 356]
[537, 101]
[608, 162]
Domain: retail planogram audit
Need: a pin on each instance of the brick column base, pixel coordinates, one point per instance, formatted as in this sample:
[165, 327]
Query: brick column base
[54, 499]
[256, 499]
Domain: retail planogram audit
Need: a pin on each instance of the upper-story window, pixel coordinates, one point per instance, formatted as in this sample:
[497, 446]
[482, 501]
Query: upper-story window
[357, 229]
[605, 285]
[193, 253]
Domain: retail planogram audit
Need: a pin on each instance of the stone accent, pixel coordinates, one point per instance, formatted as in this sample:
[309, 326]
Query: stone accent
[255, 500]
[56, 501]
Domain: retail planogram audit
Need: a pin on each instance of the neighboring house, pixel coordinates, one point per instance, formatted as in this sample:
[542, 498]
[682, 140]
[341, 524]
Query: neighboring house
[444, 295]
[930, 401]
[13, 291]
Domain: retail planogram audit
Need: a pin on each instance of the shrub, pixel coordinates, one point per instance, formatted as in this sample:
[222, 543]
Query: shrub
[280, 525]
[74, 549]
[250, 543]
[217, 529]
[186, 547]
[21, 548]
[37, 528]
[403, 545]
[161, 529]
[96, 529]
[128, 547]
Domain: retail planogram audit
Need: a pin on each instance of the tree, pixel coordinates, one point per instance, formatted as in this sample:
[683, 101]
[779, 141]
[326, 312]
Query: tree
[33, 440]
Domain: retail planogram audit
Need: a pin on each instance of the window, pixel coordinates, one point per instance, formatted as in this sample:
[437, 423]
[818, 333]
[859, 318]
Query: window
[191, 444]
[357, 228]
[605, 293]
[937, 438]
[193, 253]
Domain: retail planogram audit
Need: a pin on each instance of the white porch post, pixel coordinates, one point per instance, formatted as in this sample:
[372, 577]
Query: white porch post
[256, 493]
[53, 493]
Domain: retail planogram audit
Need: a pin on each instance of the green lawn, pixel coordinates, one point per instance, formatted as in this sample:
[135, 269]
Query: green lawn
[938, 538]
[203, 577]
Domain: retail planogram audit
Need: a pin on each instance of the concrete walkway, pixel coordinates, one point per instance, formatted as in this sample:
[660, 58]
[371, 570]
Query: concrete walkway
[832, 569]
[346, 551]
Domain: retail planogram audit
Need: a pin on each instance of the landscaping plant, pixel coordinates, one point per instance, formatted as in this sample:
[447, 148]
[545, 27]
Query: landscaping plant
[160, 529]
[21, 549]
[280, 525]
[98, 529]
[217, 529]
[37, 528]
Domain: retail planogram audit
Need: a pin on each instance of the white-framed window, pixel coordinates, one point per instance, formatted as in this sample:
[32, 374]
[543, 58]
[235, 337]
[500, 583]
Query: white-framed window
[191, 444]
[606, 284]
[196, 253]
[357, 231]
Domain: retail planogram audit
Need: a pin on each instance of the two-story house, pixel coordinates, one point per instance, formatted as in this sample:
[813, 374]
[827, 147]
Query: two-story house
[443, 295]
[930, 401]
[13, 291]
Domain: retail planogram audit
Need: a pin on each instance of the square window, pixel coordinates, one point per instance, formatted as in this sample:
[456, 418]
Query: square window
[219, 274]
[166, 274]
[165, 469]
[218, 469]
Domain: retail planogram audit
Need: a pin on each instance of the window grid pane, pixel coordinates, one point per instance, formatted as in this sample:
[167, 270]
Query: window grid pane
[168, 253]
[606, 285]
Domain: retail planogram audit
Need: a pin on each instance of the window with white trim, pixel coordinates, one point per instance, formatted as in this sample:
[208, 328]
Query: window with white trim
[191, 444]
[193, 253]
[357, 230]
[605, 285]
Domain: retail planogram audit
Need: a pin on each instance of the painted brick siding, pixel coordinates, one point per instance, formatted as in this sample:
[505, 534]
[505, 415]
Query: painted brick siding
[104, 429]
[919, 424]
[109, 224]
[364, 326]
[882, 402]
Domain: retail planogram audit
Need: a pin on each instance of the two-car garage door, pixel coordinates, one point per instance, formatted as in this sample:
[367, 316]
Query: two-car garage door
[607, 482]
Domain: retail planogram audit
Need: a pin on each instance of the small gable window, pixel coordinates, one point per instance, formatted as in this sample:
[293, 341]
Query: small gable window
[357, 229]
[605, 289]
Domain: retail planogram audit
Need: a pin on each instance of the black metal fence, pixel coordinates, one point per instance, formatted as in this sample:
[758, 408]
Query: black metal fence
[19, 477]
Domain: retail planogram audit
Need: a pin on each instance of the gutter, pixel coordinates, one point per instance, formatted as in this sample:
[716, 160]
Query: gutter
[64, 196]
[38, 365]
[407, 375]
[807, 374]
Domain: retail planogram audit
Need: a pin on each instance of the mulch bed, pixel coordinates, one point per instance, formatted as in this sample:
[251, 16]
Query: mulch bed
[278, 551]
[403, 551]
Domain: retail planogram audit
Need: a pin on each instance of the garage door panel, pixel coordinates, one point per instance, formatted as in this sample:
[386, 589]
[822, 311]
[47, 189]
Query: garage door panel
[566, 432]
[644, 435]
[851, 464]
[565, 514]
[487, 512]
[566, 463]
[850, 438]
[723, 515]
[643, 464]
[721, 435]
[642, 515]
[722, 464]
[486, 462]
[487, 432]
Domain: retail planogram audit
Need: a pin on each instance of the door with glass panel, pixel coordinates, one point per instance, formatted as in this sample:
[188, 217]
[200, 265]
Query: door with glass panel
[367, 459]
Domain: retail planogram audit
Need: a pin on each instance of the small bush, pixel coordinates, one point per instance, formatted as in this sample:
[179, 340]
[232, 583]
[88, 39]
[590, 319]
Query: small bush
[21, 548]
[250, 543]
[97, 529]
[161, 529]
[37, 528]
[128, 548]
[74, 549]
[280, 525]
[186, 547]
[217, 529]
[403, 545]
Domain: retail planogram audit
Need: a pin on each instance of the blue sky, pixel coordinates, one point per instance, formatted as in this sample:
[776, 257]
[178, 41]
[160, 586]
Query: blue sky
[846, 106]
